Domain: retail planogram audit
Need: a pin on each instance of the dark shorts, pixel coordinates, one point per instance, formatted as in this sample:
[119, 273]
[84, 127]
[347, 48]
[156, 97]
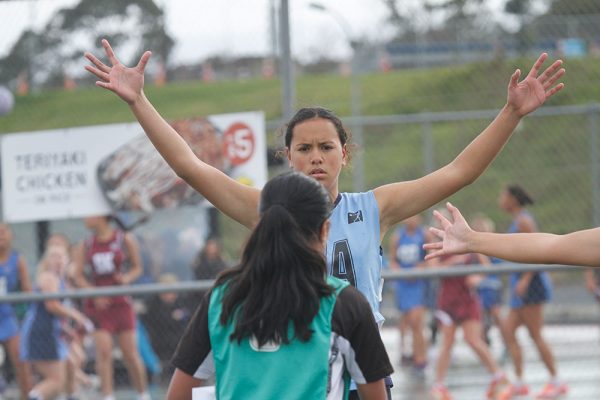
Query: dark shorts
[43, 346]
[538, 292]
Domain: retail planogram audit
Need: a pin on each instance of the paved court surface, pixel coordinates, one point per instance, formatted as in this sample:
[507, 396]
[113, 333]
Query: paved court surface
[576, 348]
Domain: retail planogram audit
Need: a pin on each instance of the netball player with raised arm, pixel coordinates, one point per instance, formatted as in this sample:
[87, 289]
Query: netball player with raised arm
[316, 144]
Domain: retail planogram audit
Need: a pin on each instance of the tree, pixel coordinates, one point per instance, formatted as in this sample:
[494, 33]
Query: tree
[574, 7]
[134, 25]
[450, 19]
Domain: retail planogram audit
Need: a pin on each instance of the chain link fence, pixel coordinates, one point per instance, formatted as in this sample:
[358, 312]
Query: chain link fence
[554, 154]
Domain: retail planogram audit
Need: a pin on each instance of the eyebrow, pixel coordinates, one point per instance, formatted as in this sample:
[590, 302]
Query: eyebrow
[310, 143]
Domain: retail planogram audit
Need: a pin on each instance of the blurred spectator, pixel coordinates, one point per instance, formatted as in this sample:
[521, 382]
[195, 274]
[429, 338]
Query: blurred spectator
[43, 344]
[76, 359]
[209, 262]
[592, 280]
[165, 319]
[105, 253]
[458, 306]
[13, 277]
[406, 252]
[528, 293]
[489, 289]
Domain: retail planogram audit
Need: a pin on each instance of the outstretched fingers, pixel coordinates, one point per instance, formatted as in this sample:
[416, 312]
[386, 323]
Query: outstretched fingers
[110, 53]
[100, 74]
[435, 245]
[537, 65]
[99, 64]
[455, 212]
[444, 223]
[551, 79]
[550, 71]
[555, 89]
[549, 83]
[141, 66]
[434, 249]
[514, 79]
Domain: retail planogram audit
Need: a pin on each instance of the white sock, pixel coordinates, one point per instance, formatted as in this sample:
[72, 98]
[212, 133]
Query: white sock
[109, 397]
[518, 383]
[143, 396]
[33, 394]
[498, 375]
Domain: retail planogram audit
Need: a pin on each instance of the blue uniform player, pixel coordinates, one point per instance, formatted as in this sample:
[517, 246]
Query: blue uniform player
[406, 252]
[528, 293]
[13, 278]
[42, 343]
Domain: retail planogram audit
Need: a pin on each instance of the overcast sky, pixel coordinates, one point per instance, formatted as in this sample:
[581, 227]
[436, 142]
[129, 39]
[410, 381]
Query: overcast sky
[208, 27]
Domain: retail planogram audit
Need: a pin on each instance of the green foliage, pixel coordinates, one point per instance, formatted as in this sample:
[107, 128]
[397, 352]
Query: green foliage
[47, 55]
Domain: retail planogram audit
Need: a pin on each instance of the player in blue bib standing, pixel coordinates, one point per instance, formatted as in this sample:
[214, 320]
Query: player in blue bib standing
[406, 252]
[317, 145]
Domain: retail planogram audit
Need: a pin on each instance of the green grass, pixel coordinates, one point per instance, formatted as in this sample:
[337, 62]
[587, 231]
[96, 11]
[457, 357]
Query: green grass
[549, 156]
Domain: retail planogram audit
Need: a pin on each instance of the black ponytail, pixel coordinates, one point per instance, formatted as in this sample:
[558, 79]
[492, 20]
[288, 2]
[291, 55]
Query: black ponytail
[522, 197]
[282, 275]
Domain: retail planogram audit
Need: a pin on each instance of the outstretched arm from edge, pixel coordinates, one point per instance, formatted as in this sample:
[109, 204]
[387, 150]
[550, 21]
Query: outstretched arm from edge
[577, 248]
[401, 200]
[236, 200]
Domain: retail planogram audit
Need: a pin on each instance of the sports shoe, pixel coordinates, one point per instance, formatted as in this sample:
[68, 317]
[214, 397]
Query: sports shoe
[553, 391]
[496, 387]
[418, 371]
[513, 391]
[406, 360]
[439, 392]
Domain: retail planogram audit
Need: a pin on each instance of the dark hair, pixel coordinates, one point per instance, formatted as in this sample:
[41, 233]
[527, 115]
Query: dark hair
[307, 113]
[282, 276]
[118, 221]
[522, 197]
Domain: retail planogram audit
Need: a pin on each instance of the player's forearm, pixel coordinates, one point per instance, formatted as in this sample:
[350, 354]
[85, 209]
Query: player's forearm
[577, 248]
[171, 146]
[529, 248]
[479, 154]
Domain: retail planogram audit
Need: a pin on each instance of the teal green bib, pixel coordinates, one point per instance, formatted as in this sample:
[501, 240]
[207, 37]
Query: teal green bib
[294, 371]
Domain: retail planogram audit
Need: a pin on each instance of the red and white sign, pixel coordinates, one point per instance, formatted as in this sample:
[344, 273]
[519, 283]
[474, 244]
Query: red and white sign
[94, 170]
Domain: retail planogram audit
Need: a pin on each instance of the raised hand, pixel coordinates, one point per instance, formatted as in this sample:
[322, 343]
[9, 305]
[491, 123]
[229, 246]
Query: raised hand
[529, 94]
[453, 235]
[126, 82]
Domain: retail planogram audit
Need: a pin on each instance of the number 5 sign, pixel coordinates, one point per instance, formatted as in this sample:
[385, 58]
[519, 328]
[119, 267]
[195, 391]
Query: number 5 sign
[238, 143]
[245, 146]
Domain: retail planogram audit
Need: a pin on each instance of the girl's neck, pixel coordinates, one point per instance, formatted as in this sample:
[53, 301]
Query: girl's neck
[104, 234]
[333, 195]
[516, 211]
[4, 253]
